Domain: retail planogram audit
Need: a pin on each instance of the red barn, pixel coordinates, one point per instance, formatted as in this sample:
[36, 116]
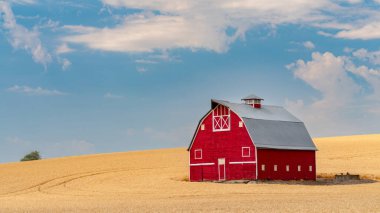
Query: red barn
[250, 141]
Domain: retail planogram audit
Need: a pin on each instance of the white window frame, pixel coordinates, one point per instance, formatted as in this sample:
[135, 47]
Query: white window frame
[195, 154]
[310, 168]
[287, 168]
[221, 119]
[240, 124]
[263, 167]
[249, 151]
[299, 168]
[275, 168]
[202, 127]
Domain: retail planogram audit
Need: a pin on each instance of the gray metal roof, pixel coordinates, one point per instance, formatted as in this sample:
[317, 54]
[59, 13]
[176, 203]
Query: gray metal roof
[279, 134]
[252, 96]
[266, 112]
[272, 126]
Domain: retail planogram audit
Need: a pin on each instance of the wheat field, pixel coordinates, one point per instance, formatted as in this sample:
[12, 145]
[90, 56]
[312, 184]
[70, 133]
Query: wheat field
[154, 181]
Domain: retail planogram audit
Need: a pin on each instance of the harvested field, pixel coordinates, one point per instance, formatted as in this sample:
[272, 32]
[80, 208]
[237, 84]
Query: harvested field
[156, 181]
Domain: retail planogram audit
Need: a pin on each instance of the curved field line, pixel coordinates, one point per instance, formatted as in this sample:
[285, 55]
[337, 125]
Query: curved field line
[40, 186]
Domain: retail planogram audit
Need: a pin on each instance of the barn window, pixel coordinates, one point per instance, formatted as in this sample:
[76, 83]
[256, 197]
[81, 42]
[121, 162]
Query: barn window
[246, 152]
[263, 167]
[310, 168]
[287, 168]
[202, 127]
[240, 123]
[299, 168]
[275, 168]
[221, 119]
[198, 154]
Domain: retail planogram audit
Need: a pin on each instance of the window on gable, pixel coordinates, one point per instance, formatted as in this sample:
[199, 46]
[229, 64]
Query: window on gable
[246, 152]
[202, 127]
[198, 154]
[221, 118]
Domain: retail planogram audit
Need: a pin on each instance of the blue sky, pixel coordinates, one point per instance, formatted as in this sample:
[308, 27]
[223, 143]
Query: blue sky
[79, 77]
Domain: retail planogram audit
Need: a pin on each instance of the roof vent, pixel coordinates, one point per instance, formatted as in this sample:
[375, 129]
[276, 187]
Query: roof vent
[253, 100]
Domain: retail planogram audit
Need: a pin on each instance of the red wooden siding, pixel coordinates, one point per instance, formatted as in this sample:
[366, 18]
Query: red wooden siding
[222, 144]
[281, 158]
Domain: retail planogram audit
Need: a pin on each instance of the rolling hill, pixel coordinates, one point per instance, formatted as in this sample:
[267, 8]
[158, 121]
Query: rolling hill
[154, 180]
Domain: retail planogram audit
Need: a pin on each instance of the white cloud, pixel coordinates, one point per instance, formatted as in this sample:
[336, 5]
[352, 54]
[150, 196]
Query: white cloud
[309, 45]
[38, 91]
[372, 57]
[109, 95]
[65, 63]
[22, 38]
[343, 106]
[141, 69]
[146, 33]
[364, 32]
[63, 48]
[326, 73]
[192, 24]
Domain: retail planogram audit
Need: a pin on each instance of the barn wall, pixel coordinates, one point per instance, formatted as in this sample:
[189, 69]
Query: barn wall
[224, 144]
[281, 158]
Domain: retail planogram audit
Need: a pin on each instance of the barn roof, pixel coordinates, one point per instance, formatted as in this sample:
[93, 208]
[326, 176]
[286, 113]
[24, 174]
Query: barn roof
[271, 127]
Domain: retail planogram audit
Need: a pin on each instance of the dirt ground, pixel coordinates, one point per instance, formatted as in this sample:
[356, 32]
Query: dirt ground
[154, 181]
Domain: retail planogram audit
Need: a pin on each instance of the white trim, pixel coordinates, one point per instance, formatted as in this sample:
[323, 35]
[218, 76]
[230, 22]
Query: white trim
[221, 119]
[242, 162]
[202, 164]
[202, 127]
[249, 151]
[257, 160]
[195, 154]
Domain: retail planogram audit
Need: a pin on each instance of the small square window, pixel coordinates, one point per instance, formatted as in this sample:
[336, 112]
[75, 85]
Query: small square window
[198, 154]
[240, 123]
[202, 127]
[246, 152]
[310, 168]
[299, 168]
[287, 168]
[275, 168]
[263, 167]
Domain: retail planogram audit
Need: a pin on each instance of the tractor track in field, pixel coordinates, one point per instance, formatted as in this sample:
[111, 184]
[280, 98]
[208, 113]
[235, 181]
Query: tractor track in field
[44, 187]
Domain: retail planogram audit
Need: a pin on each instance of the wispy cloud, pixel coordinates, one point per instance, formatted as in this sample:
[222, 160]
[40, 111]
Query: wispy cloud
[309, 45]
[109, 95]
[198, 25]
[63, 48]
[22, 38]
[37, 91]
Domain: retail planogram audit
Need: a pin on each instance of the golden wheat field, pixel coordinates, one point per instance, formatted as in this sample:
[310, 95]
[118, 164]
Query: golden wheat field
[153, 180]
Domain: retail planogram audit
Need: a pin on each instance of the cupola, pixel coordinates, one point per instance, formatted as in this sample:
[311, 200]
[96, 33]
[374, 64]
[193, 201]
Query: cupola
[253, 100]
